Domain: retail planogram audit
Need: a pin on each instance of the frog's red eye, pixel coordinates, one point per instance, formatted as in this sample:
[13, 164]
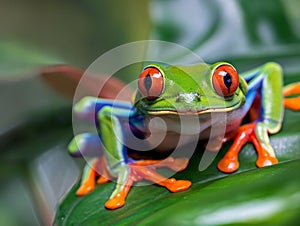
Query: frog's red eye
[151, 83]
[225, 80]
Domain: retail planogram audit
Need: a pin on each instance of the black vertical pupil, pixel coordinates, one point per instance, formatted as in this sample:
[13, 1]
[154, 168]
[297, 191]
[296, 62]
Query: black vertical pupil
[227, 81]
[148, 83]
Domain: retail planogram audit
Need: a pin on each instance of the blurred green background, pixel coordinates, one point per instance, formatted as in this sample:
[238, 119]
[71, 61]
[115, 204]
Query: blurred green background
[35, 121]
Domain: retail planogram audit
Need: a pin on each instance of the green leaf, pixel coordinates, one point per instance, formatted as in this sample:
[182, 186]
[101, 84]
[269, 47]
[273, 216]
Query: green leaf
[211, 196]
[253, 197]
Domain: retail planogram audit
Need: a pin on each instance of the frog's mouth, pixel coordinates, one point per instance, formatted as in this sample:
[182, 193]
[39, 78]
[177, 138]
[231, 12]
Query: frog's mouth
[195, 111]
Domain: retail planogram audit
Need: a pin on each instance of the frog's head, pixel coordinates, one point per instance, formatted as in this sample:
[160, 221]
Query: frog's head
[199, 88]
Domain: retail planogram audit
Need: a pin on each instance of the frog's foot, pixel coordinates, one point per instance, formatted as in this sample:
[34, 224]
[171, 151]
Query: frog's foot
[88, 184]
[266, 155]
[118, 200]
[228, 164]
[292, 102]
[139, 172]
[175, 164]
[266, 161]
[171, 184]
[174, 185]
[246, 133]
[90, 174]
[85, 188]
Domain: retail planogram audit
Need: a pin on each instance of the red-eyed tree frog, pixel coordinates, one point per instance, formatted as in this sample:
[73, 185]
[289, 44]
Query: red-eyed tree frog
[173, 91]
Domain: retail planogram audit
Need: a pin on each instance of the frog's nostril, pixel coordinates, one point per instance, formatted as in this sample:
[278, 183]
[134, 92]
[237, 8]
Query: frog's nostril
[188, 97]
[197, 96]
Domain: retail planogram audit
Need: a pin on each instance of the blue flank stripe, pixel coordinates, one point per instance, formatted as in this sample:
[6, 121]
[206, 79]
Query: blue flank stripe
[100, 103]
[254, 87]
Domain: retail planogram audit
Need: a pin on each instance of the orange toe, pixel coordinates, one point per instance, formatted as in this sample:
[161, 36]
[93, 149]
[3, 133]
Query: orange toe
[177, 185]
[266, 161]
[228, 165]
[85, 188]
[115, 202]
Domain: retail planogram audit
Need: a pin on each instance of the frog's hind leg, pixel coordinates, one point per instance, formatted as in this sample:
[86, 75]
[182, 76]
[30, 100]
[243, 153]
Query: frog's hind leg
[260, 139]
[271, 114]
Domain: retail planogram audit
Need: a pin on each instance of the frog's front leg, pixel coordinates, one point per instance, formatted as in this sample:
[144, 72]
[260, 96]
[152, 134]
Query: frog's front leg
[266, 82]
[110, 156]
[127, 172]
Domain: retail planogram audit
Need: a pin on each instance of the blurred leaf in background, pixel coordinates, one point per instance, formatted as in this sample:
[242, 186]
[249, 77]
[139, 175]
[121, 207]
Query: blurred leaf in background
[247, 33]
